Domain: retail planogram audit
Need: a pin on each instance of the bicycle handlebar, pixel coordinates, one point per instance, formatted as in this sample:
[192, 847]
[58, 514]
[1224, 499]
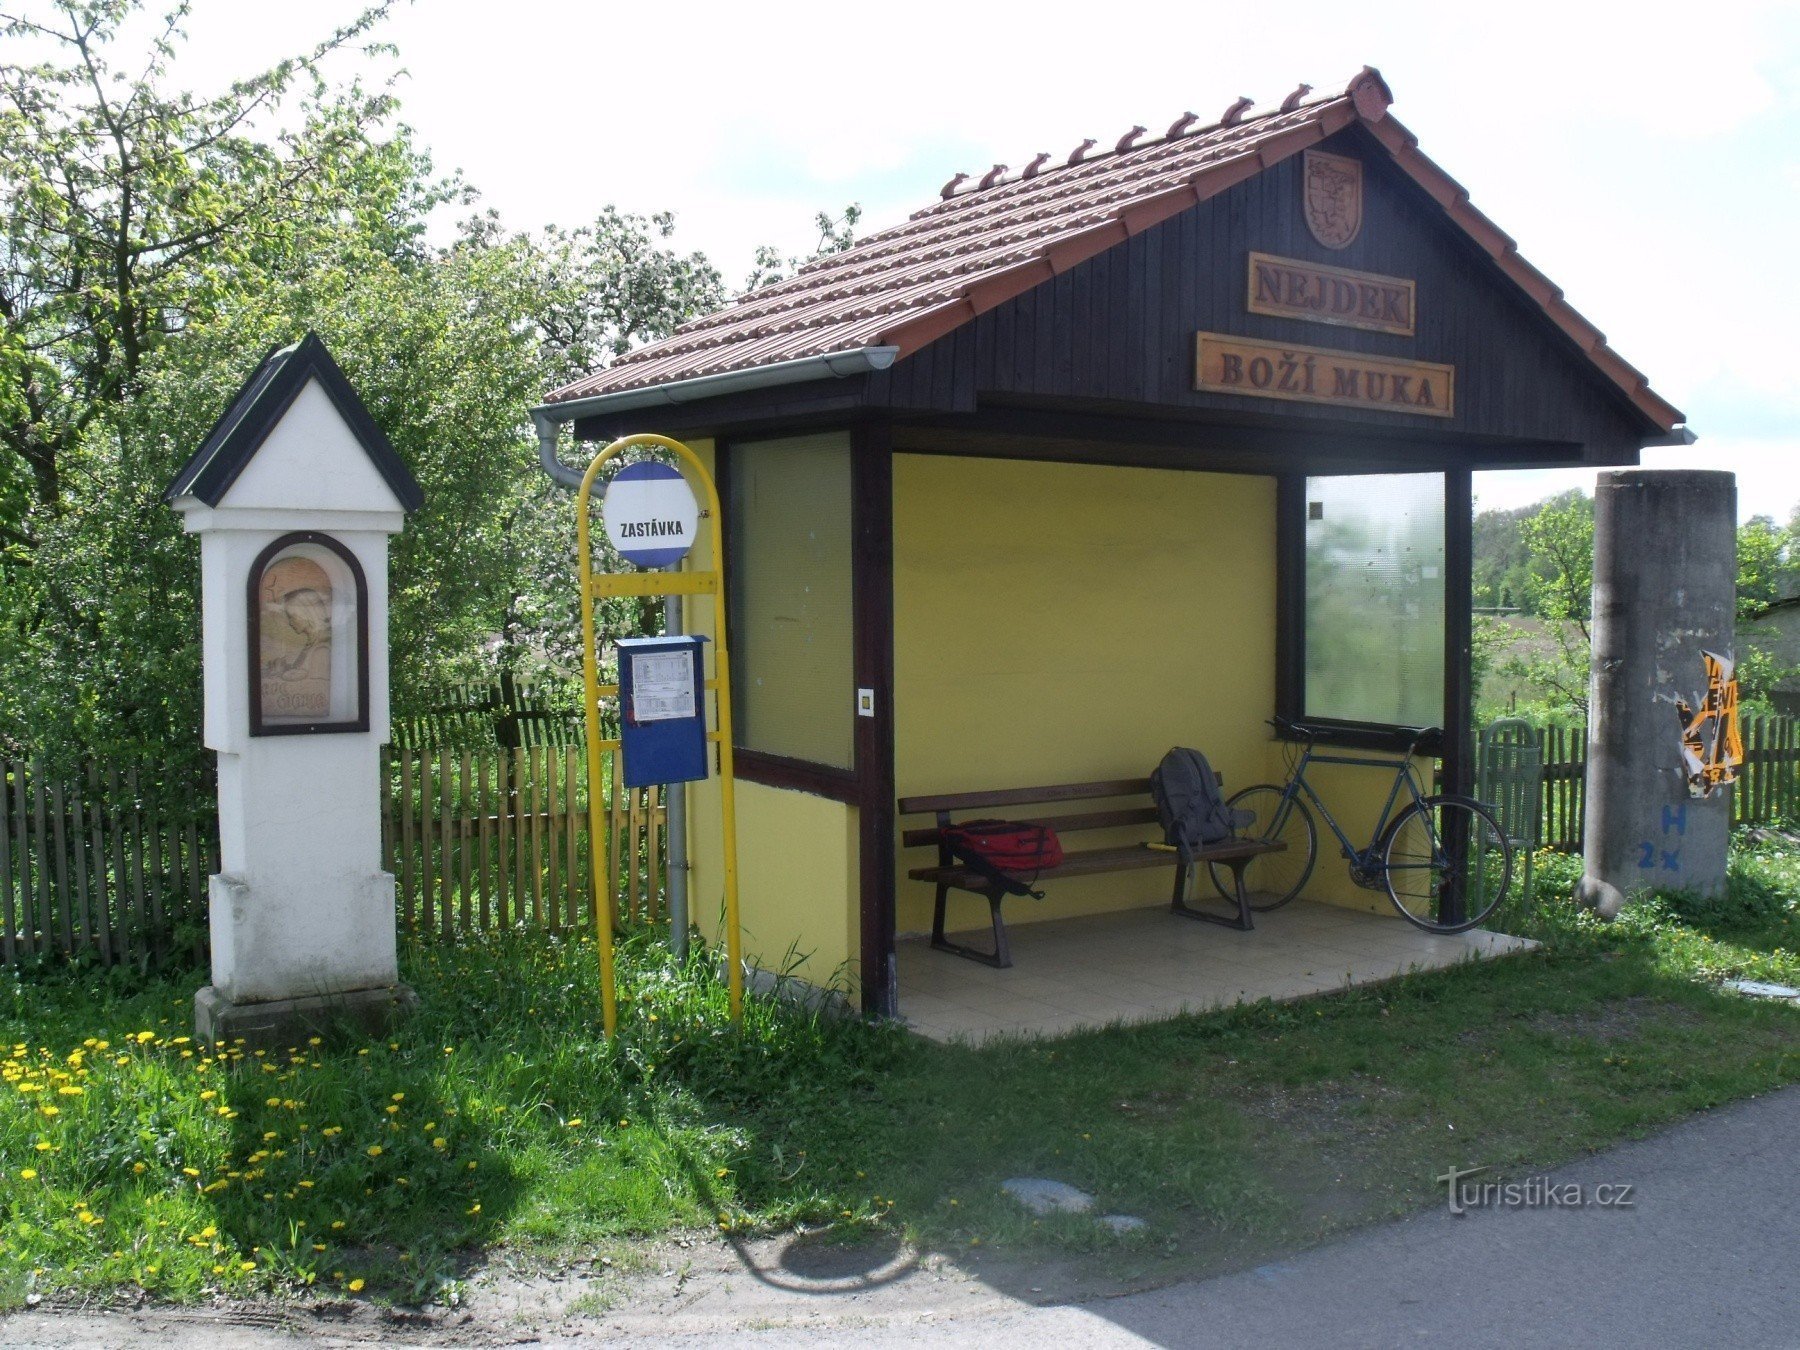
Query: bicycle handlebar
[1310, 734]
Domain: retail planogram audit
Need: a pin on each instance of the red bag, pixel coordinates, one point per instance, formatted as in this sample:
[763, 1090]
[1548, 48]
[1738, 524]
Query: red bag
[1002, 849]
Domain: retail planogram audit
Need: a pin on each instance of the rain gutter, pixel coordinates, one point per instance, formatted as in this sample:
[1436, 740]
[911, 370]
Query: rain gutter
[832, 365]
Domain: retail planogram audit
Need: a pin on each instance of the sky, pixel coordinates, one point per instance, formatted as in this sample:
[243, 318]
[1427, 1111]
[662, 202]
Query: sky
[1646, 156]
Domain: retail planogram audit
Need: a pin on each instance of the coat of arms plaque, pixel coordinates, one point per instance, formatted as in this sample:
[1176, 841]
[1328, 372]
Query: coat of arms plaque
[1332, 198]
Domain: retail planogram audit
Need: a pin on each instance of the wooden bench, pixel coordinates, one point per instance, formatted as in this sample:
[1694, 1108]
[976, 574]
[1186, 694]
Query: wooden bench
[948, 874]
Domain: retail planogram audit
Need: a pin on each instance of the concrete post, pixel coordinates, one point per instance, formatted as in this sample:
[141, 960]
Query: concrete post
[1665, 591]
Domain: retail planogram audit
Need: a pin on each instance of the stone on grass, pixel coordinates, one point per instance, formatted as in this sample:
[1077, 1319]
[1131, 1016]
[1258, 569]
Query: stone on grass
[1122, 1224]
[1757, 989]
[1041, 1196]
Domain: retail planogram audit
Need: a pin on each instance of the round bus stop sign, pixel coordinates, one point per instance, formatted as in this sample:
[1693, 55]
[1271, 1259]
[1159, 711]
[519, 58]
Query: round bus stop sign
[650, 513]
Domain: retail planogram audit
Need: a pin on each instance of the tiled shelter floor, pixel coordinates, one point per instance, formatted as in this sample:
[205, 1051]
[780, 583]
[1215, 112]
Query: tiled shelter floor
[1141, 965]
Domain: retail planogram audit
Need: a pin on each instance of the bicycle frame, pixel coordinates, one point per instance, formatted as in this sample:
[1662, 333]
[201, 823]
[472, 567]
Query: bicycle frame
[1404, 773]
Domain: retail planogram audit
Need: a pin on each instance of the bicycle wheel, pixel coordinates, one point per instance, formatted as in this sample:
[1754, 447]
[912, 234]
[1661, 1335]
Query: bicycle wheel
[1272, 879]
[1446, 862]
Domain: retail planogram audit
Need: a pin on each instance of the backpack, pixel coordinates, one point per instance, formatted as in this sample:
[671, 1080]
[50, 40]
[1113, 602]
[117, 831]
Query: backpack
[1190, 805]
[1000, 849]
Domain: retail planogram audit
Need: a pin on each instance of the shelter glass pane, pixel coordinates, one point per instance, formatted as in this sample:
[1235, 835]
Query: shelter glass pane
[1375, 598]
[793, 671]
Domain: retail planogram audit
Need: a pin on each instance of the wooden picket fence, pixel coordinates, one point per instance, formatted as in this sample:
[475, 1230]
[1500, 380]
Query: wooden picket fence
[1767, 789]
[492, 838]
[108, 863]
[111, 863]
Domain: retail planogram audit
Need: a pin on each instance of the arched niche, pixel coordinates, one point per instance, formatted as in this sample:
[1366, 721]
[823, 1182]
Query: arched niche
[309, 638]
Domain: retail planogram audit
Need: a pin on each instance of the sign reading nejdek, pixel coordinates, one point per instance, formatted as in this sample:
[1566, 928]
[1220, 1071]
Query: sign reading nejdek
[1320, 294]
[1234, 365]
[650, 513]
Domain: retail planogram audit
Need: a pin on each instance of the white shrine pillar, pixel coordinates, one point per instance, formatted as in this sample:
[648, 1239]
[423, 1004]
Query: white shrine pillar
[294, 497]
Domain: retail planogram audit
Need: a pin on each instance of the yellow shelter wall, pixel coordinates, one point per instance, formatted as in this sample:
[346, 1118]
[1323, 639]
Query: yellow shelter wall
[798, 855]
[1060, 622]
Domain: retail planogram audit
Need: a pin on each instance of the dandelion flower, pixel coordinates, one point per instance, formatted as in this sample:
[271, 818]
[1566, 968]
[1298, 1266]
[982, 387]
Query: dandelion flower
[374, 1150]
[28, 1173]
[356, 1286]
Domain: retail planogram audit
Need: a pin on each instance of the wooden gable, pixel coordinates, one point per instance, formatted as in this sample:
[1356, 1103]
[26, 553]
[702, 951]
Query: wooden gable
[1117, 335]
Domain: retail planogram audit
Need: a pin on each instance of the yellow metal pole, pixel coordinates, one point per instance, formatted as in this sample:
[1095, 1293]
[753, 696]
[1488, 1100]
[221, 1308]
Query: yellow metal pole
[599, 850]
[651, 583]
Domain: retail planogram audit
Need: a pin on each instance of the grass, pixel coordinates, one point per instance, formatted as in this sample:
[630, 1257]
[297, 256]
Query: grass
[497, 1121]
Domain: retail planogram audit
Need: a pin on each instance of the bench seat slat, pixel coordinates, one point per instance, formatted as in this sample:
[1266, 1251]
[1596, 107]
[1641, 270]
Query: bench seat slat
[1062, 792]
[1091, 861]
[1091, 820]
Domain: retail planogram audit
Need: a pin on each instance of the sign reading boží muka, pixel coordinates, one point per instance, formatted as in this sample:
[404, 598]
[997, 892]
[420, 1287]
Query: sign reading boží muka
[1225, 364]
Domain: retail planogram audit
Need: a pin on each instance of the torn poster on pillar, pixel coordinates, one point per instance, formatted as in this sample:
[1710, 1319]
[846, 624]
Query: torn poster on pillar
[1712, 744]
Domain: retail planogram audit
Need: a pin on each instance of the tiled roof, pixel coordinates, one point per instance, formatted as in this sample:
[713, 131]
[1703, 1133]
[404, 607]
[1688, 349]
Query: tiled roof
[991, 238]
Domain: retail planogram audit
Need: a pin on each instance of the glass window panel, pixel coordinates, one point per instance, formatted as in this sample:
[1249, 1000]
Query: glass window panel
[1375, 598]
[792, 665]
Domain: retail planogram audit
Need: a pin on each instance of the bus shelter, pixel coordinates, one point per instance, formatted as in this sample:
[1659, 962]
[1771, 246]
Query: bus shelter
[1128, 447]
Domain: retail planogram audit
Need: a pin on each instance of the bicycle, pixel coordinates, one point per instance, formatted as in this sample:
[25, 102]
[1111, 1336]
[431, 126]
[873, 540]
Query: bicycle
[1421, 855]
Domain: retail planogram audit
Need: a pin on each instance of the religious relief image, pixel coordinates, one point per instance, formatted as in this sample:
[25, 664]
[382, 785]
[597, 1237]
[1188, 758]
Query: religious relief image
[296, 641]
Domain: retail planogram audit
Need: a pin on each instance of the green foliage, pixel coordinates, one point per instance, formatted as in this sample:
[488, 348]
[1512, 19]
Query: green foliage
[156, 245]
[1766, 565]
[1541, 557]
[836, 233]
[1559, 540]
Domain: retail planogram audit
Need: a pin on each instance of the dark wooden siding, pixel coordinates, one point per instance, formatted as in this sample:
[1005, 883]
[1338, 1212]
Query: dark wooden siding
[1119, 329]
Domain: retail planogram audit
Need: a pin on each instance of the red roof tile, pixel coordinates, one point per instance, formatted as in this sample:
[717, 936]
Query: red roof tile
[993, 237]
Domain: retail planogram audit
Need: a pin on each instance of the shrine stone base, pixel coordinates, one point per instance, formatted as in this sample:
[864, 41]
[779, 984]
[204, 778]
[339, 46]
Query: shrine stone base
[290, 1021]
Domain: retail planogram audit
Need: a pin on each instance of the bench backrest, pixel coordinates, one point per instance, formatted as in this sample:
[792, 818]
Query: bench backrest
[981, 803]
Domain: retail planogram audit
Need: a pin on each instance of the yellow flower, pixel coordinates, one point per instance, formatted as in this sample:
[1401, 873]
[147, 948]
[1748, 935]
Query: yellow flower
[51, 1110]
[398, 1097]
[356, 1286]
[337, 1223]
[208, 1095]
[374, 1150]
[440, 1143]
[273, 1101]
[138, 1168]
[144, 1036]
[28, 1173]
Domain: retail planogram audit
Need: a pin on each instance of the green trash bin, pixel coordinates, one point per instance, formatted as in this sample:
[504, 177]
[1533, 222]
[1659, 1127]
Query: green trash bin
[1509, 780]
